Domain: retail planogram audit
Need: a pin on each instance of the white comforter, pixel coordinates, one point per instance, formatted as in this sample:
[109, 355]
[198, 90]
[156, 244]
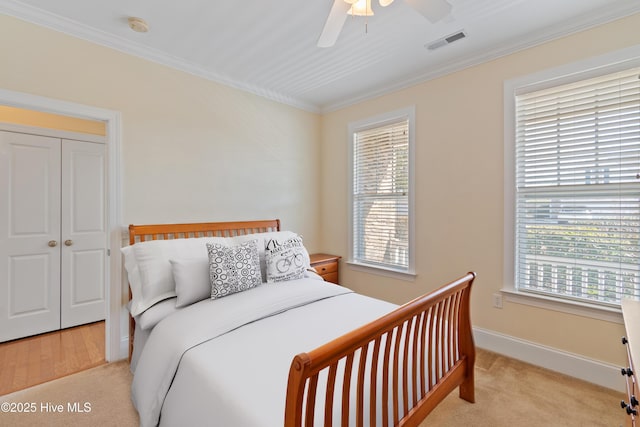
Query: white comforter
[225, 362]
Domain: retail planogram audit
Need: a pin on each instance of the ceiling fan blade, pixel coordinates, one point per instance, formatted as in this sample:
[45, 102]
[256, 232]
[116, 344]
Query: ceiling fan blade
[335, 22]
[385, 3]
[433, 10]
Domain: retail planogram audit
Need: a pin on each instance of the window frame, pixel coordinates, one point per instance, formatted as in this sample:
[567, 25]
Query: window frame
[370, 123]
[577, 71]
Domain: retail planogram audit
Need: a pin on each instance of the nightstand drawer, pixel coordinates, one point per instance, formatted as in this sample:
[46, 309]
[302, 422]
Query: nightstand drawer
[331, 277]
[330, 267]
[326, 266]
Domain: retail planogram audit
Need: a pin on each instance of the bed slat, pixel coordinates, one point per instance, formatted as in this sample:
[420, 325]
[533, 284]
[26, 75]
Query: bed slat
[328, 401]
[373, 402]
[395, 371]
[385, 378]
[346, 388]
[414, 358]
[405, 366]
[311, 400]
[362, 366]
[423, 348]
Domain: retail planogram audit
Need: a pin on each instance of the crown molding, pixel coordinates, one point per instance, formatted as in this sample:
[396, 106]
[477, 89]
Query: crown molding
[580, 23]
[79, 30]
[82, 31]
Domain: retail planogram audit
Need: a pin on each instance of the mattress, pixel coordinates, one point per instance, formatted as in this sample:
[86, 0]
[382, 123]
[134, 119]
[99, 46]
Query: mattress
[226, 362]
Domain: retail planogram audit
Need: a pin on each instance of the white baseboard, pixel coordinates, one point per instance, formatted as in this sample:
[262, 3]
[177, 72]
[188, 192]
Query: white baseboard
[124, 347]
[590, 370]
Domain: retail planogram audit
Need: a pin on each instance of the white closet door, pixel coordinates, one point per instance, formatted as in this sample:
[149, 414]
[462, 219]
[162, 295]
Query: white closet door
[84, 242]
[29, 235]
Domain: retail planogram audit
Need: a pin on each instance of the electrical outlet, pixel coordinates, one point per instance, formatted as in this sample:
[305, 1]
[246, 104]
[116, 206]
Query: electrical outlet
[497, 300]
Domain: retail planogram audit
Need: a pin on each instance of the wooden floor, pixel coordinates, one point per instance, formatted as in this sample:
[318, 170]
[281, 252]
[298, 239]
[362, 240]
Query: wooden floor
[41, 358]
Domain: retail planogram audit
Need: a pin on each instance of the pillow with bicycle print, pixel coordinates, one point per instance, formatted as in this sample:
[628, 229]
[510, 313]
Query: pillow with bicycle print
[285, 259]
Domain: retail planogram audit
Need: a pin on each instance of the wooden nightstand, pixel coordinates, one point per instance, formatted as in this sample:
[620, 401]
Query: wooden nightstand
[326, 266]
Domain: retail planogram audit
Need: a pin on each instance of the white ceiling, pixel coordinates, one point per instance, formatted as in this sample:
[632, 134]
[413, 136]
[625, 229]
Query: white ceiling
[268, 47]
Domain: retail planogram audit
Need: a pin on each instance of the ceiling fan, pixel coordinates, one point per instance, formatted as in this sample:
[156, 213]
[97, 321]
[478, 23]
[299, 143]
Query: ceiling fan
[433, 10]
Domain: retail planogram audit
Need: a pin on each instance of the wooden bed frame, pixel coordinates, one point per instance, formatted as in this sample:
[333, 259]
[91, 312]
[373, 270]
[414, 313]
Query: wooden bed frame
[142, 233]
[424, 348]
[418, 353]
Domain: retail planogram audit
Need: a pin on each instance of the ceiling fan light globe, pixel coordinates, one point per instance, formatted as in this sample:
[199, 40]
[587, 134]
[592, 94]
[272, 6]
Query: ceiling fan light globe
[385, 3]
[361, 8]
[350, 1]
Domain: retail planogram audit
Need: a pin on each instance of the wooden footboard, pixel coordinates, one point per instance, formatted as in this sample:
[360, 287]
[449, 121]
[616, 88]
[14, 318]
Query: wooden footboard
[393, 371]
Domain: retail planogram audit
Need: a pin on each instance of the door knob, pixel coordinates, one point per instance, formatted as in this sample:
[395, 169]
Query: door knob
[53, 243]
[68, 242]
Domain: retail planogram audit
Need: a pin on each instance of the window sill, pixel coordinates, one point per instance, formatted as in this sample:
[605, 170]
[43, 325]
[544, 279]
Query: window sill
[609, 314]
[382, 271]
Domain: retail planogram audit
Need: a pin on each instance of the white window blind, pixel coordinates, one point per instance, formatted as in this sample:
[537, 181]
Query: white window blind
[578, 189]
[381, 196]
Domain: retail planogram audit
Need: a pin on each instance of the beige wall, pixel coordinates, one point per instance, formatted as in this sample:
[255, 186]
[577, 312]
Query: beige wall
[192, 150]
[459, 190]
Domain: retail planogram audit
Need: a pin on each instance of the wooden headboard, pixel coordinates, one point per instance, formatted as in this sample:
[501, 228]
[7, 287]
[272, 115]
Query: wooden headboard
[142, 233]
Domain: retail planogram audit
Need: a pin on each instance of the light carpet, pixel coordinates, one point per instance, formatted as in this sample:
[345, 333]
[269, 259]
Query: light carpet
[513, 393]
[508, 393]
[97, 397]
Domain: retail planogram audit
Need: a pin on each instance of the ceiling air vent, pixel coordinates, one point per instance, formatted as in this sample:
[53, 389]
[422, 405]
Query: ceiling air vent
[446, 40]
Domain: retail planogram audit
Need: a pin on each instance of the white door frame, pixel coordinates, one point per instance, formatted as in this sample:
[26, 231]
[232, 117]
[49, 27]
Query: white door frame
[116, 347]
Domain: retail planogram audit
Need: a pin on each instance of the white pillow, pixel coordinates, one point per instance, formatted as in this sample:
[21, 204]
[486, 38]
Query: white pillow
[151, 274]
[233, 269]
[156, 274]
[192, 280]
[150, 317]
[135, 284]
[286, 260]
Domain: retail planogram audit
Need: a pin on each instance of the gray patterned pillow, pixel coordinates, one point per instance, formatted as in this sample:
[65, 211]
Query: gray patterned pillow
[233, 268]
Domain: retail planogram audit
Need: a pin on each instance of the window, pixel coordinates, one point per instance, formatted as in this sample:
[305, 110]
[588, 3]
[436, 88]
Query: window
[576, 181]
[381, 192]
